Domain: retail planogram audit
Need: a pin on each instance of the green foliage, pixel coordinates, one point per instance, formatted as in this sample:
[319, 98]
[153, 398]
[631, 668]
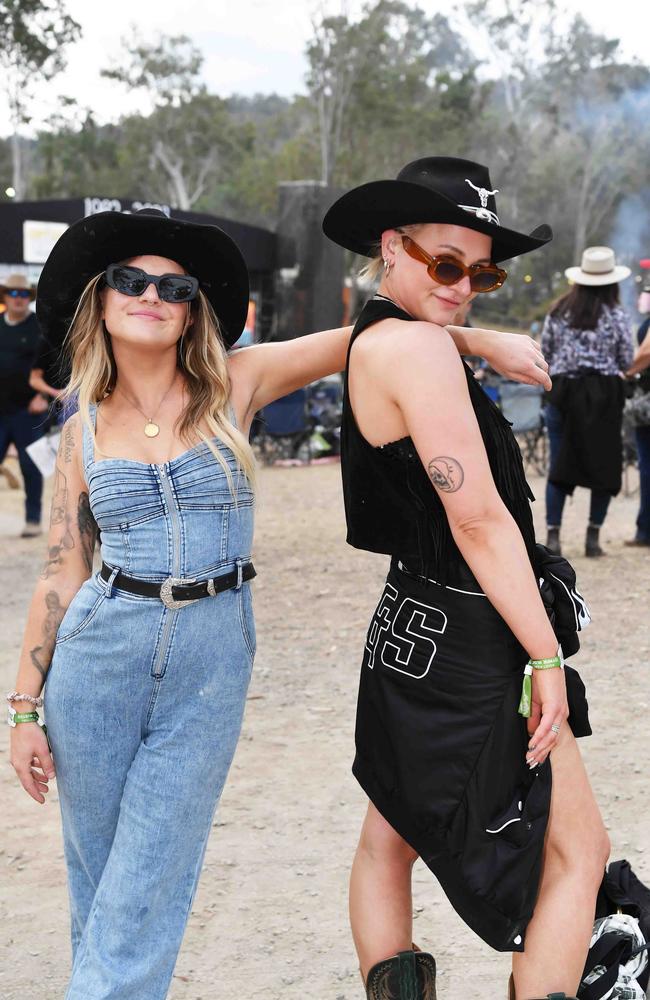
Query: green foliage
[33, 36]
[548, 103]
[168, 70]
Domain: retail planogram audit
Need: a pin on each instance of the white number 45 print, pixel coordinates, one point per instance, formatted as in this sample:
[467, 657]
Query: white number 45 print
[404, 625]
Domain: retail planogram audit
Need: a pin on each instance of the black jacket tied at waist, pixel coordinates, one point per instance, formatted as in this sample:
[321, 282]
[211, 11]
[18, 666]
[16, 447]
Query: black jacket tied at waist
[591, 453]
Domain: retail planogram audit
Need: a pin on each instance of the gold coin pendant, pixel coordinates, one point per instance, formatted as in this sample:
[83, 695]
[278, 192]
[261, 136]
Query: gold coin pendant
[151, 430]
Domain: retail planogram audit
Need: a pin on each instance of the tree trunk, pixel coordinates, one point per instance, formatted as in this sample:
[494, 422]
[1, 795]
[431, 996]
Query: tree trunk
[17, 167]
[174, 169]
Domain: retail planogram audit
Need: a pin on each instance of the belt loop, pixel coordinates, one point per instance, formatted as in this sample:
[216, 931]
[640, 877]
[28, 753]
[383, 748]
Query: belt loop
[108, 584]
[240, 573]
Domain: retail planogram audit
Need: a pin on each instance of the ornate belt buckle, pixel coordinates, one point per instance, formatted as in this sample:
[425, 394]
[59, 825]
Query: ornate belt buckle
[166, 595]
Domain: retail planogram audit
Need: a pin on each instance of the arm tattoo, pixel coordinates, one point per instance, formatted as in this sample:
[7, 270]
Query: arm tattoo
[59, 516]
[446, 473]
[67, 445]
[42, 655]
[59, 497]
[87, 530]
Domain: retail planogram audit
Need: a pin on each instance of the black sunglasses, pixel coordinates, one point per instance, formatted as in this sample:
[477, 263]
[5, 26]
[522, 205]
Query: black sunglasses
[18, 293]
[133, 281]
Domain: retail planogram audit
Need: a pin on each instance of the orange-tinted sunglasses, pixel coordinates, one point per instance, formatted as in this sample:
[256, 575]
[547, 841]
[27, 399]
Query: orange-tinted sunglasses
[447, 270]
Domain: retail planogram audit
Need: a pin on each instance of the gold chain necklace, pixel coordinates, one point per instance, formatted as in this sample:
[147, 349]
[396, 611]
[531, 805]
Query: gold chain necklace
[151, 428]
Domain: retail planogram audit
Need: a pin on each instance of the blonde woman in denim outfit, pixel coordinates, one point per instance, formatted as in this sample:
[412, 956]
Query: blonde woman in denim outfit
[148, 660]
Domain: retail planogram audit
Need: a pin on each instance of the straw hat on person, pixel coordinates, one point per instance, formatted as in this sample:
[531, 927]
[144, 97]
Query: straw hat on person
[17, 282]
[598, 267]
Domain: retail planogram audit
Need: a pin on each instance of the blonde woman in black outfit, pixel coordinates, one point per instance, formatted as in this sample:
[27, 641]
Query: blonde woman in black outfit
[463, 765]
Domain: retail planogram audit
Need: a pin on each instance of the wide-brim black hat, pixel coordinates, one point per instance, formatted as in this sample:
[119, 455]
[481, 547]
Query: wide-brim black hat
[90, 245]
[434, 189]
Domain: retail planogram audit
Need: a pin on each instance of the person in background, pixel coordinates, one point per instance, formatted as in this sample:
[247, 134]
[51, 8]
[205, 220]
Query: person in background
[587, 342]
[641, 368]
[48, 378]
[22, 411]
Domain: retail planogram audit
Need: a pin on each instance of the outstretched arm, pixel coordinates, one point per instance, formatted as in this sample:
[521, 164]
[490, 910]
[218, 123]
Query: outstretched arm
[266, 372]
[513, 355]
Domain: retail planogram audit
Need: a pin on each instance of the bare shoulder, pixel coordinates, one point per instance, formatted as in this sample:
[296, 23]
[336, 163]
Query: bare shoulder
[395, 347]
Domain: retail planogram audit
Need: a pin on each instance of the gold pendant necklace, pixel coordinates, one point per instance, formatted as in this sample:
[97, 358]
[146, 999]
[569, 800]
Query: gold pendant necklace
[151, 428]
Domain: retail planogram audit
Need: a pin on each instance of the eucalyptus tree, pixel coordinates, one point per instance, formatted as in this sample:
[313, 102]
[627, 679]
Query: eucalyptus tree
[34, 37]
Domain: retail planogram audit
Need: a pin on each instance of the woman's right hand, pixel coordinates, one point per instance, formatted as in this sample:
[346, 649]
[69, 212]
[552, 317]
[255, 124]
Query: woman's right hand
[31, 759]
[549, 708]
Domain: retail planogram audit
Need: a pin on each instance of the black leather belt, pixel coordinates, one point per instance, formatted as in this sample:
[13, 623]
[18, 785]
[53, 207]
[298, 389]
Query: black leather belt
[177, 592]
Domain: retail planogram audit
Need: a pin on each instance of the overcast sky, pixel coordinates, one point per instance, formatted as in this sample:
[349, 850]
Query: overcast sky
[249, 46]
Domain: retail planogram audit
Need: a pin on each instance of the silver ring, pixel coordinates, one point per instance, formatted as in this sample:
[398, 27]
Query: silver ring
[555, 728]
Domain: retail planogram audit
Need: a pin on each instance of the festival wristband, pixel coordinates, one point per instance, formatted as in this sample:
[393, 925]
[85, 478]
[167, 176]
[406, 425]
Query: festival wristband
[14, 718]
[547, 663]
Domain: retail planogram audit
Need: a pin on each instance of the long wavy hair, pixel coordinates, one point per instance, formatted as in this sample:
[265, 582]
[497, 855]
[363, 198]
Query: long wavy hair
[582, 305]
[201, 358]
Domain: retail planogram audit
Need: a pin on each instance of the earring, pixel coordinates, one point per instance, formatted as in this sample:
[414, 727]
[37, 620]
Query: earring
[387, 266]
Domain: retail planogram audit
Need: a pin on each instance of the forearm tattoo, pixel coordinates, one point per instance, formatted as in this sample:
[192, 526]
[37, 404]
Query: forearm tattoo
[446, 473]
[42, 655]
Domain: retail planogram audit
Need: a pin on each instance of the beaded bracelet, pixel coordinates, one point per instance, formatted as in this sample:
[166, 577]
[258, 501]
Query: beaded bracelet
[16, 696]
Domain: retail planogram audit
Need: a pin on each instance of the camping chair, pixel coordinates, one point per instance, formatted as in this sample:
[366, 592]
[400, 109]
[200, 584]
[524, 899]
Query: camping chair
[522, 406]
[285, 430]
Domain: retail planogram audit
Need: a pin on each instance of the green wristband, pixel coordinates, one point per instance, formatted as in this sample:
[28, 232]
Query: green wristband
[26, 717]
[546, 664]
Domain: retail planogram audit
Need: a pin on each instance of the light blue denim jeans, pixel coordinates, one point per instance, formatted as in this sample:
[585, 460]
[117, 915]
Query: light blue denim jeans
[144, 708]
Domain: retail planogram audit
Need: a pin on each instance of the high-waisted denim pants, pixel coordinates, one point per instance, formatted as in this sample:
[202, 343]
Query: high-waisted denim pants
[144, 707]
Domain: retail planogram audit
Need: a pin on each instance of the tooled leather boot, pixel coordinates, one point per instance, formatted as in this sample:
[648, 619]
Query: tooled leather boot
[408, 975]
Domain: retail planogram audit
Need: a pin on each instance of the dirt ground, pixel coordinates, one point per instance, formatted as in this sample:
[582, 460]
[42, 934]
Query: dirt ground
[270, 917]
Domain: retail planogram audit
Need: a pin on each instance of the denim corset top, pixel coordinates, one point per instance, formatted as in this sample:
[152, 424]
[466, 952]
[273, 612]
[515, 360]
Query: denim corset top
[177, 519]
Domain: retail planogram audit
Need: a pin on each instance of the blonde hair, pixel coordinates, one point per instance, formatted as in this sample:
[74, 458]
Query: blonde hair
[372, 270]
[201, 357]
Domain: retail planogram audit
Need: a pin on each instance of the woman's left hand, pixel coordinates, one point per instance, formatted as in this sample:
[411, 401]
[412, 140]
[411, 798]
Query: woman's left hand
[517, 357]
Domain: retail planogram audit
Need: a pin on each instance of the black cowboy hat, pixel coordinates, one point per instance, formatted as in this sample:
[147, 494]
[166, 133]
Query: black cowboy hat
[90, 245]
[433, 189]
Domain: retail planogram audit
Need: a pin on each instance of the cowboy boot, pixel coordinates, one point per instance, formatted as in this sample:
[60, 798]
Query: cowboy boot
[408, 975]
[553, 541]
[592, 548]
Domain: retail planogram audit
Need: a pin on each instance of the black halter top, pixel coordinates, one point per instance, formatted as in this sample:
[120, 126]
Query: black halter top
[391, 505]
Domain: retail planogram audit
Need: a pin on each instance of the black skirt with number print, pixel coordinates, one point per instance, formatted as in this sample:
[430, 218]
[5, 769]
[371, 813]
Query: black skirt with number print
[440, 746]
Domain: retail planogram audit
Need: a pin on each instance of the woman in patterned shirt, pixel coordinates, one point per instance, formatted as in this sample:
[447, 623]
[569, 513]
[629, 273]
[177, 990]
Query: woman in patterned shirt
[587, 341]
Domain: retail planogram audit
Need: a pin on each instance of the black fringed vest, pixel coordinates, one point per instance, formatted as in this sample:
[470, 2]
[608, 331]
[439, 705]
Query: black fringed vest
[391, 505]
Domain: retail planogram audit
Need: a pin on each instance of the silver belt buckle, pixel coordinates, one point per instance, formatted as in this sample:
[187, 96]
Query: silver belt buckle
[166, 593]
